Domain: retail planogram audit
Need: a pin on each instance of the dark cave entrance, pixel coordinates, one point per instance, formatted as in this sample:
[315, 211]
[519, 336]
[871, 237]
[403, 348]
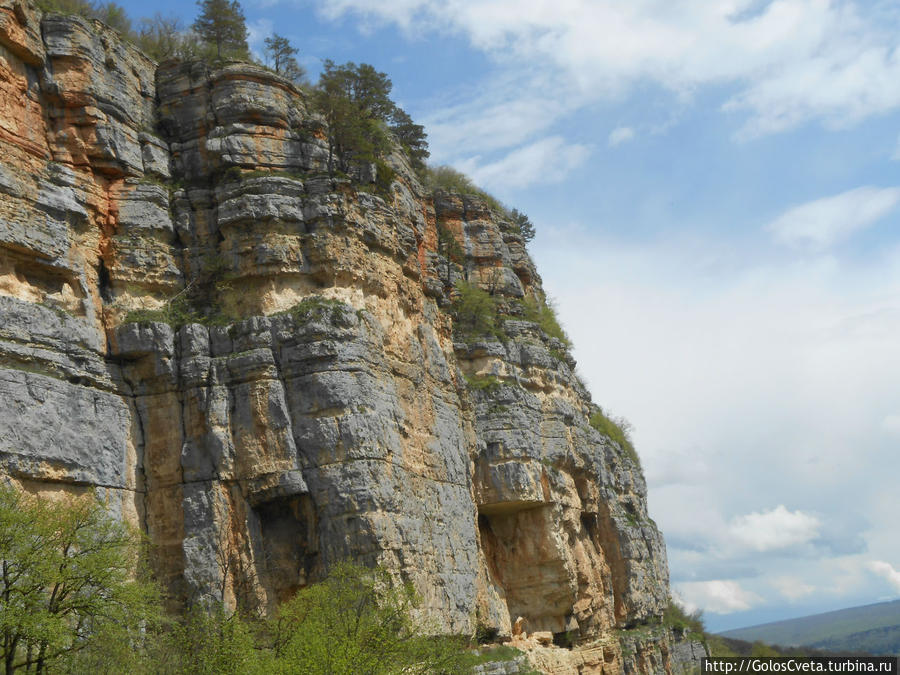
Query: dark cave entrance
[289, 543]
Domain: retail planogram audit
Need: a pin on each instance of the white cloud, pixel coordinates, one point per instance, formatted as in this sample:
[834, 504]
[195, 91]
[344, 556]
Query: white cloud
[751, 382]
[792, 60]
[774, 529]
[257, 32]
[887, 571]
[620, 135]
[513, 112]
[718, 596]
[821, 223]
[792, 588]
[546, 161]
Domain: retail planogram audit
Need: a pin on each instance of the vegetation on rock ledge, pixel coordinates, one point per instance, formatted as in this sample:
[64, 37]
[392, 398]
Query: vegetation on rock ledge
[70, 603]
[618, 429]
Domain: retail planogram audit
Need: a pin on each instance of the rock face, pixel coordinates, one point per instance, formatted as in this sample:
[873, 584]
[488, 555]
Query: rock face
[325, 407]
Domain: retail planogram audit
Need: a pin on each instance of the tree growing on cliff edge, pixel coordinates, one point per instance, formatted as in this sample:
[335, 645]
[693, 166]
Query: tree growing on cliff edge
[356, 102]
[411, 136]
[66, 578]
[221, 23]
[282, 54]
[523, 222]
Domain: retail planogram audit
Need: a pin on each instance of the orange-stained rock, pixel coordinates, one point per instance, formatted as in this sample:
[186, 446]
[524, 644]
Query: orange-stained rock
[317, 404]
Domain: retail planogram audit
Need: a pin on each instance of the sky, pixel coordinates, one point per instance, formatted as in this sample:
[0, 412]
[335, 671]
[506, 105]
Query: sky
[716, 190]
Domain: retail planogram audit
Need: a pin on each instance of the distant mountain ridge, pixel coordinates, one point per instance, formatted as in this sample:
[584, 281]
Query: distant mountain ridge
[869, 628]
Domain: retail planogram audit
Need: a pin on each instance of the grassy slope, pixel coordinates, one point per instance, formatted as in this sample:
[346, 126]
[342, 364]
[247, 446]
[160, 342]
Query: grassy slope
[875, 626]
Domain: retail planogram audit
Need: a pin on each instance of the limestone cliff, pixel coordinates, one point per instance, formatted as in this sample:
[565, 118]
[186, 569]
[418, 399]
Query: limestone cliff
[322, 407]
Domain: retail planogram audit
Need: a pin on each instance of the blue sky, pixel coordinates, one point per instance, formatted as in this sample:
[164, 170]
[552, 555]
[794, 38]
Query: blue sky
[716, 189]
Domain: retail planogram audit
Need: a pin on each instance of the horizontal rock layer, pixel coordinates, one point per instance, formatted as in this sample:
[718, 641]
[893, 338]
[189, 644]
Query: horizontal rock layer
[325, 412]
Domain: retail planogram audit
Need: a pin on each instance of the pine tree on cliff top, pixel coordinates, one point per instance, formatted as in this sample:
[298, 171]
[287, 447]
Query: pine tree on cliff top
[221, 23]
[282, 55]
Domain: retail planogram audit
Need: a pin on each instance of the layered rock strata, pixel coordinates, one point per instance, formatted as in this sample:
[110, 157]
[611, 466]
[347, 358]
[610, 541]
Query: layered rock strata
[321, 406]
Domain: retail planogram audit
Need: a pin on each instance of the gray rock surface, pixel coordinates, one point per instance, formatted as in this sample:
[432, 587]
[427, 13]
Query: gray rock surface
[326, 413]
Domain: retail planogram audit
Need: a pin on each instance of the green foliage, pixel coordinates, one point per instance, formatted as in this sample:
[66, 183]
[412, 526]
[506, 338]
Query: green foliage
[719, 646]
[356, 104]
[681, 621]
[523, 224]
[114, 16]
[355, 100]
[282, 54]
[212, 643]
[491, 655]
[543, 313]
[165, 37]
[221, 24]
[873, 628]
[558, 354]
[762, 649]
[384, 177]
[178, 311]
[483, 382]
[314, 305]
[358, 621]
[198, 302]
[110, 13]
[71, 603]
[617, 429]
[449, 179]
[412, 137]
[78, 7]
[66, 581]
[474, 311]
[450, 249]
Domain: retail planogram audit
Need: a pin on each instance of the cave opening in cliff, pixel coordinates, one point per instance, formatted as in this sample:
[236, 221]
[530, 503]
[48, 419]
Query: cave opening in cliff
[289, 544]
[527, 566]
[104, 282]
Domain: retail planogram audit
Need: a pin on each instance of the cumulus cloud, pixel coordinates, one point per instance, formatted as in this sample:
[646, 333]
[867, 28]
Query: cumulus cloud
[792, 60]
[792, 588]
[774, 529]
[513, 112]
[718, 596]
[548, 160]
[886, 570]
[757, 388]
[620, 135]
[824, 222]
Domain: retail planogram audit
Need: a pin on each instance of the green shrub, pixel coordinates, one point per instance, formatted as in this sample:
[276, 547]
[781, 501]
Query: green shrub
[474, 311]
[718, 647]
[618, 430]
[384, 177]
[680, 620]
[483, 382]
[198, 302]
[210, 642]
[491, 655]
[358, 621]
[176, 312]
[543, 313]
[449, 179]
[312, 306]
